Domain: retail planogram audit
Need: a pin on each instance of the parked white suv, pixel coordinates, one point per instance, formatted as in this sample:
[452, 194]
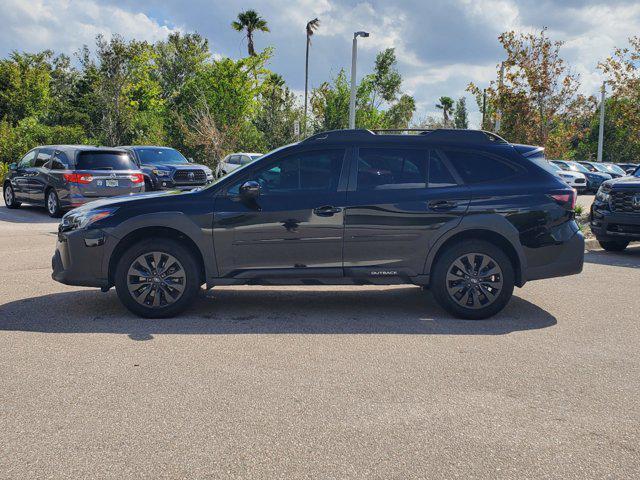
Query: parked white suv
[235, 160]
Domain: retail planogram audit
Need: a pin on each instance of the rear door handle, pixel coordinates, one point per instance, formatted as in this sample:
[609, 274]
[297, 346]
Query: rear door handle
[442, 205]
[326, 211]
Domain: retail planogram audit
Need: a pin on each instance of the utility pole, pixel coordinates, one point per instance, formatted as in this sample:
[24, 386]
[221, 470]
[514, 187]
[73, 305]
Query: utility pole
[498, 110]
[354, 58]
[312, 25]
[601, 130]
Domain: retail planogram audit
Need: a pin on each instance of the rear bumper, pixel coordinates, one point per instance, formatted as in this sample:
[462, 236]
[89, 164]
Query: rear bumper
[565, 258]
[74, 199]
[78, 259]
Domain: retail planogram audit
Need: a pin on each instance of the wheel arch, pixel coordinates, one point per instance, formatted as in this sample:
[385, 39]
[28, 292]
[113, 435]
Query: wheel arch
[491, 230]
[148, 232]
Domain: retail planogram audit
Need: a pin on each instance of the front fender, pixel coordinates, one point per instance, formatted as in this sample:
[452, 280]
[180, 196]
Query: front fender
[198, 232]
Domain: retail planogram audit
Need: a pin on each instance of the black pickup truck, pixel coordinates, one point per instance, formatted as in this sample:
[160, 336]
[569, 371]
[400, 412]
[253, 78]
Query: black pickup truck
[166, 168]
[615, 213]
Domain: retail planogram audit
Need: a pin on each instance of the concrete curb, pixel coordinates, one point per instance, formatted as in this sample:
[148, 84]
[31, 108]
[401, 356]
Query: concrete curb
[592, 244]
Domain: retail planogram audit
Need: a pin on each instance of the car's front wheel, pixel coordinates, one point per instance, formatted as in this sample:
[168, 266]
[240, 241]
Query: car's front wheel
[613, 245]
[53, 204]
[473, 279]
[10, 197]
[157, 278]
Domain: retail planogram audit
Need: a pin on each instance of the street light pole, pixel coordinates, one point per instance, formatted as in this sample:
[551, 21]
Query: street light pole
[352, 98]
[601, 130]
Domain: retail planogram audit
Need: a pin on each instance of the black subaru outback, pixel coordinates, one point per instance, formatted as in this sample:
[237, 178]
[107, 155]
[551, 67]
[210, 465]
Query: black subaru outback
[463, 212]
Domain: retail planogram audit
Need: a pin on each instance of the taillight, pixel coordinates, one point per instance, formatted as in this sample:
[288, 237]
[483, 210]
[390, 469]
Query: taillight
[566, 199]
[136, 177]
[78, 177]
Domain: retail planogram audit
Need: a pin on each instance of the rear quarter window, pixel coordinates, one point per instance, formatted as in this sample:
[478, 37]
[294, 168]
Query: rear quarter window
[478, 167]
[105, 161]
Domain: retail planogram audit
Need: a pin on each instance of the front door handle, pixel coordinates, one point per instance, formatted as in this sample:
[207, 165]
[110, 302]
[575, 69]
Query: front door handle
[326, 211]
[442, 205]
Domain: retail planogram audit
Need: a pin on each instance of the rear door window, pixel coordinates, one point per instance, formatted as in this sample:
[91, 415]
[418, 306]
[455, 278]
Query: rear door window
[60, 161]
[97, 160]
[440, 174]
[44, 155]
[477, 167]
[391, 168]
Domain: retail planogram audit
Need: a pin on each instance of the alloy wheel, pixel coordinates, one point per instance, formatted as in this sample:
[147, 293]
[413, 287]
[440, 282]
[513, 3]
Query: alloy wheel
[474, 280]
[156, 279]
[52, 203]
[8, 196]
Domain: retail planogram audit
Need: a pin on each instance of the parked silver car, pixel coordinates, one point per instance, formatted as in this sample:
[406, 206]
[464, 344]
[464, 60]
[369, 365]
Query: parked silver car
[236, 160]
[61, 177]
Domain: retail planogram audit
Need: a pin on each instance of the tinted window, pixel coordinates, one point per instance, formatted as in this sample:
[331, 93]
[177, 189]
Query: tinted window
[160, 156]
[28, 160]
[439, 173]
[59, 161]
[43, 157]
[317, 171]
[390, 168]
[105, 161]
[475, 167]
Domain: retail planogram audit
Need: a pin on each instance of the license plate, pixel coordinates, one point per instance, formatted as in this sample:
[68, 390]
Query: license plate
[111, 183]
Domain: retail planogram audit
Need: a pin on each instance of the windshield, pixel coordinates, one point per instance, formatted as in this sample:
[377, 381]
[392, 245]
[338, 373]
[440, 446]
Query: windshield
[601, 168]
[160, 156]
[561, 165]
[576, 167]
[615, 169]
[105, 161]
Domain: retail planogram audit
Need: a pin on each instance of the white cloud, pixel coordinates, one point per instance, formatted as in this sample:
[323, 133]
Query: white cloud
[66, 25]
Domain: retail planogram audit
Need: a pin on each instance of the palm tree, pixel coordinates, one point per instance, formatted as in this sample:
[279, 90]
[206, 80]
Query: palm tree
[446, 105]
[250, 21]
[312, 26]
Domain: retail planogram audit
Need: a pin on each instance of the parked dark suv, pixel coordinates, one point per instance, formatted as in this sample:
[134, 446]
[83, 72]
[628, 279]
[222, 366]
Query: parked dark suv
[166, 168]
[60, 177]
[615, 213]
[463, 212]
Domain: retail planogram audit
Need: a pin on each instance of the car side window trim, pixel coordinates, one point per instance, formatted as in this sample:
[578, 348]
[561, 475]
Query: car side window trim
[447, 163]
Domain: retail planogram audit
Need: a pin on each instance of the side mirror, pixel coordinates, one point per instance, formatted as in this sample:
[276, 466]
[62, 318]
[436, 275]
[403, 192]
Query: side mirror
[13, 166]
[250, 190]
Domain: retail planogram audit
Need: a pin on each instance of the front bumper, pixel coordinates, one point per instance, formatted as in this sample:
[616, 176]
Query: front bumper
[78, 259]
[608, 225]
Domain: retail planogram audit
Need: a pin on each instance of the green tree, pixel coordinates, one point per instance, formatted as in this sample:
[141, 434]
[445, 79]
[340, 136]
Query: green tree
[460, 116]
[277, 113]
[250, 22]
[446, 105]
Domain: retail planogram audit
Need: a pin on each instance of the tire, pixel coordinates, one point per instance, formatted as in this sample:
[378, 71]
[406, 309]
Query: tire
[489, 293]
[159, 287]
[613, 245]
[52, 204]
[10, 197]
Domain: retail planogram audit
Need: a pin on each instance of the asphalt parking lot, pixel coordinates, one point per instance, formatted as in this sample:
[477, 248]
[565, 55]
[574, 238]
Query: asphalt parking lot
[309, 382]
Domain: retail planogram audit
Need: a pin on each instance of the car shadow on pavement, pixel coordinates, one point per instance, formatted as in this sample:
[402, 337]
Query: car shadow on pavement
[405, 310]
[26, 214]
[629, 258]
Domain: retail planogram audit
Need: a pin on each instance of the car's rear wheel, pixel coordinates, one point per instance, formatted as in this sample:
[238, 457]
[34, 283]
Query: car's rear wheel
[473, 279]
[613, 245]
[157, 278]
[10, 197]
[53, 204]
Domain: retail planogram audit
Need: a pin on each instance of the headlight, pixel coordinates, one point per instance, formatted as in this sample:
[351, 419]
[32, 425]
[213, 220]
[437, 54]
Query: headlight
[602, 196]
[77, 220]
[161, 173]
[564, 175]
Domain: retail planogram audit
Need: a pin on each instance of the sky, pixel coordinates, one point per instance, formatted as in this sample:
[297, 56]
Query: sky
[441, 45]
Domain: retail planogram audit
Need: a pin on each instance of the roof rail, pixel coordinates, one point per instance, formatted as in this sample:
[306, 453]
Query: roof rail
[442, 134]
